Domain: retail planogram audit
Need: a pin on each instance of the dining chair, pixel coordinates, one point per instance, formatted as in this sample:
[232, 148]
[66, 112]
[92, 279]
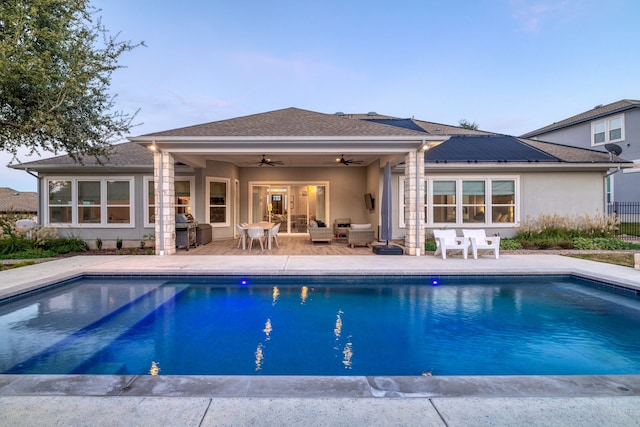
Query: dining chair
[255, 233]
[242, 233]
[273, 234]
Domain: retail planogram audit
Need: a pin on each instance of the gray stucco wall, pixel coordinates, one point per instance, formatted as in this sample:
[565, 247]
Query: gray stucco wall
[626, 185]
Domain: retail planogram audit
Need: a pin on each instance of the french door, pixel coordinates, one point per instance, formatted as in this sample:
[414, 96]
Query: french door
[293, 205]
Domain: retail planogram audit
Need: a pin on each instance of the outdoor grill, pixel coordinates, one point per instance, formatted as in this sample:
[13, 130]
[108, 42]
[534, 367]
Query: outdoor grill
[185, 231]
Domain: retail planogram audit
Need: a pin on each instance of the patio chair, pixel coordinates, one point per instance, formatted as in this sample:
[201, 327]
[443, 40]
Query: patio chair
[340, 226]
[273, 234]
[360, 234]
[242, 233]
[480, 242]
[320, 234]
[255, 233]
[446, 240]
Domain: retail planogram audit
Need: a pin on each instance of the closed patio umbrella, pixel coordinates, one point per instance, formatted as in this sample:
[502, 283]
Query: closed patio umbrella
[386, 210]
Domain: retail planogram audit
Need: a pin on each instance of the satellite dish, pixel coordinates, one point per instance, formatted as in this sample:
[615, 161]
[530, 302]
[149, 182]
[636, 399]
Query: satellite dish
[614, 149]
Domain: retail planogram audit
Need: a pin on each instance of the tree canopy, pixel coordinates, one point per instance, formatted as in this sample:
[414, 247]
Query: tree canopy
[56, 61]
[465, 124]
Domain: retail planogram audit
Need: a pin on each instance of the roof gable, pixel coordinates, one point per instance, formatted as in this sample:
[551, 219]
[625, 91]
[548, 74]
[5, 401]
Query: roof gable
[595, 113]
[287, 122]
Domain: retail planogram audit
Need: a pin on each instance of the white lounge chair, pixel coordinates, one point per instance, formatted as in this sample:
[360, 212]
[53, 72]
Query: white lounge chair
[479, 241]
[446, 240]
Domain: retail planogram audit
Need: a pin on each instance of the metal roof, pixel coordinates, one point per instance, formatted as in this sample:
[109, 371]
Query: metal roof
[486, 148]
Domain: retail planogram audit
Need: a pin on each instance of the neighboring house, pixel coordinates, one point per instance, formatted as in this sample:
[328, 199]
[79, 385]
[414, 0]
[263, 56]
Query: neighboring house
[618, 124]
[21, 202]
[285, 166]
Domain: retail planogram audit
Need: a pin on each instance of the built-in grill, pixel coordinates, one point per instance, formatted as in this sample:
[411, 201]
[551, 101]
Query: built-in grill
[185, 231]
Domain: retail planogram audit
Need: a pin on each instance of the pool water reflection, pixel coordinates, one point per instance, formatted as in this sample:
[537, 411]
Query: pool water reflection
[309, 325]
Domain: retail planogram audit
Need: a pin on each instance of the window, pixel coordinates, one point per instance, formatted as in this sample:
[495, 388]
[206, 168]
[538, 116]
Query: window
[182, 198]
[90, 202]
[473, 201]
[444, 201]
[503, 196]
[608, 130]
[467, 201]
[60, 201]
[218, 208]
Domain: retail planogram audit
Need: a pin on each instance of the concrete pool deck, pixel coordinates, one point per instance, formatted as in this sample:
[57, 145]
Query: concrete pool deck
[238, 400]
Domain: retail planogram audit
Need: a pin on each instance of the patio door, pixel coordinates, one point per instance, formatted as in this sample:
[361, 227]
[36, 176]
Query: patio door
[292, 205]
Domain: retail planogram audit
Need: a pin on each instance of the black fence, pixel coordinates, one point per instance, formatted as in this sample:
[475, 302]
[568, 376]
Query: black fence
[629, 214]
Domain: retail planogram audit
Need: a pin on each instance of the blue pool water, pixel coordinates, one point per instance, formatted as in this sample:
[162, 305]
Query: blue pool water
[386, 325]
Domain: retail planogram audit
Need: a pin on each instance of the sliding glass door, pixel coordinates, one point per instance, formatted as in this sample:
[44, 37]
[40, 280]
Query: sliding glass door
[293, 205]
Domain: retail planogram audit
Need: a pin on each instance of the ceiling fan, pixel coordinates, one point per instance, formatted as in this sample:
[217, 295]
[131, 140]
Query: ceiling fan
[269, 162]
[348, 162]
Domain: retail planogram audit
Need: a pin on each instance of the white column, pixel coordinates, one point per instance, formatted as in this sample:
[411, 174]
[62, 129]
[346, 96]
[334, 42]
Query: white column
[163, 177]
[414, 202]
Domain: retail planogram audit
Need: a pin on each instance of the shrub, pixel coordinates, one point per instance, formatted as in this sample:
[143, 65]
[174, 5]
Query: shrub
[98, 243]
[430, 246]
[11, 243]
[118, 243]
[29, 254]
[600, 243]
[558, 228]
[64, 245]
[510, 244]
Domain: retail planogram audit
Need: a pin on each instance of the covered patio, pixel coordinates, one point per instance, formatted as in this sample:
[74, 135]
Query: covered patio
[289, 245]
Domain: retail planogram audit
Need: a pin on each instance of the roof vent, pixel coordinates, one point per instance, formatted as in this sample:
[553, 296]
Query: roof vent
[372, 113]
[339, 113]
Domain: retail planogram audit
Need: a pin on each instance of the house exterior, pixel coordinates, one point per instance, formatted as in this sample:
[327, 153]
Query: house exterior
[285, 166]
[618, 124]
[19, 202]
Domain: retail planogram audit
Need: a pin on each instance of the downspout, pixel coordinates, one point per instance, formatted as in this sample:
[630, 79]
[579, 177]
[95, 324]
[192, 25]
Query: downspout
[39, 186]
[161, 197]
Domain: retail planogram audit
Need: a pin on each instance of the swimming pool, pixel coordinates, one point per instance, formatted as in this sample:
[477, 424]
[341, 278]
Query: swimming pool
[323, 325]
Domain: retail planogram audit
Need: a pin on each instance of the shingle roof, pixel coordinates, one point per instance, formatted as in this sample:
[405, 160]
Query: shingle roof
[463, 146]
[597, 112]
[125, 154]
[503, 148]
[288, 122]
[18, 201]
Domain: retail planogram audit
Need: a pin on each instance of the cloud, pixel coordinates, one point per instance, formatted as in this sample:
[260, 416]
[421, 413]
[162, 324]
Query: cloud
[533, 14]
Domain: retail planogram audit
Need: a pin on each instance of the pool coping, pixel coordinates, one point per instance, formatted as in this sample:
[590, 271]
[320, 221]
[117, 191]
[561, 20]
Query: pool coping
[17, 281]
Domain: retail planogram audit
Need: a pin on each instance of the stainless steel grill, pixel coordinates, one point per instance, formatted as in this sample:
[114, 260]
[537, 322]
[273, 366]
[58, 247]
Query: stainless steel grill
[186, 227]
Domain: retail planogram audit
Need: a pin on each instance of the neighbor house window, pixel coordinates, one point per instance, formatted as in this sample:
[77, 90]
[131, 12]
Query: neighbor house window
[183, 198]
[608, 130]
[90, 202]
[218, 201]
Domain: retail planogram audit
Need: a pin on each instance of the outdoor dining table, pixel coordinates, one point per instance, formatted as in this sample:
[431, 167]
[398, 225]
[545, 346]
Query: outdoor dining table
[266, 226]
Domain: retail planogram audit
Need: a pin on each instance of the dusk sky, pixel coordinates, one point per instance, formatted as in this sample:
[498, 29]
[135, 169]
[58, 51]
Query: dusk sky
[511, 66]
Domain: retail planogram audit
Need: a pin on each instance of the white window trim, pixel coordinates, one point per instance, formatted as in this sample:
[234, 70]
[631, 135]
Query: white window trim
[606, 122]
[103, 202]
[228, 204]
[145, 192]
[459, 205]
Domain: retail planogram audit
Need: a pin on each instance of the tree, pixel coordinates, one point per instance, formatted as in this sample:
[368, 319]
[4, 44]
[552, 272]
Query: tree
[56, 62]
[464, 123]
